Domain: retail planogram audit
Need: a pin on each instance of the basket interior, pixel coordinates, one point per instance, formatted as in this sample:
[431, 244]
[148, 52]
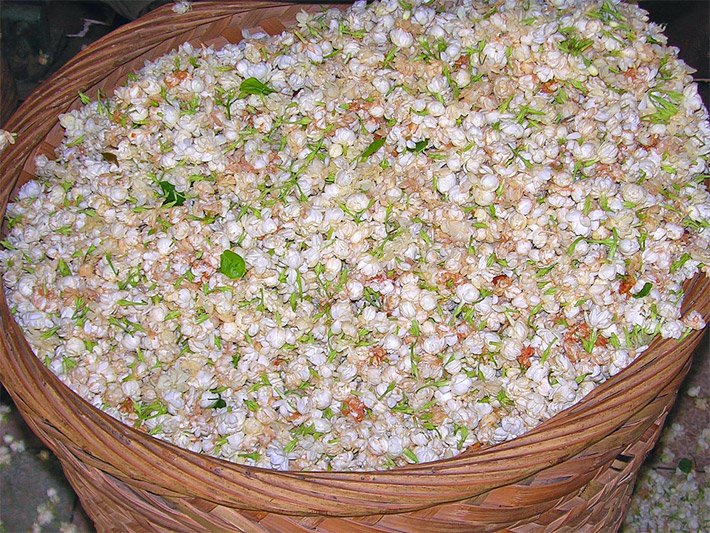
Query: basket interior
[564, 452]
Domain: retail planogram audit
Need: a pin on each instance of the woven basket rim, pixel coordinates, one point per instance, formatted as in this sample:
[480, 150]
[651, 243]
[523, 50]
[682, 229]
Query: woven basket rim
[556, 439]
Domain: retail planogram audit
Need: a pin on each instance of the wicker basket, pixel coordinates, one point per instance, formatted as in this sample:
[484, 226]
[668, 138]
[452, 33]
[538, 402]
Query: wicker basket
[575, 471]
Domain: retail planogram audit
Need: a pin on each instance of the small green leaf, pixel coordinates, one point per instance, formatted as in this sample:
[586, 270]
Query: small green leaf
[254, 86]
[545, 270]
[291, 445]
[63, 268]
[232, 265]
[146, 411]
[172, 196]
[419, 146]
[666, 103]
[129, 303]
[645, 290]
[373, 147]
[389, 57]
[49, 333]
[76, 141]
[685, 465]
[573, 44]
[414, 329]
[579, 379]
[254, 456]
[219, 404]
[409, 454]
[84, 98]
[504, 399]
[90, 345]
[678, 263]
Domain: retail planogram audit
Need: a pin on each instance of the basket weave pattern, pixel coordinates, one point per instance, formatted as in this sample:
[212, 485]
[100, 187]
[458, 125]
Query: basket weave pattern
[575, 471]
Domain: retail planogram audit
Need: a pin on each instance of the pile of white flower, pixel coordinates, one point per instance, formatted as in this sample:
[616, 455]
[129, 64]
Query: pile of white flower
[382, 237]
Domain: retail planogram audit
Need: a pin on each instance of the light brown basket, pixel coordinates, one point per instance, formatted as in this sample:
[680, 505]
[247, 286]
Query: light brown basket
[575, 471]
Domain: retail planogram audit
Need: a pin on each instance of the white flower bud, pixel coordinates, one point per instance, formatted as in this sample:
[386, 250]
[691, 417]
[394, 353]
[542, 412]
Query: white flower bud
[489, 182]
[401, 38]
[445, 182]
[276, 337]
[428, 301]
[407, 310]
[460, 384]
[462, 78]
[164, 245]
[357, 202]
[391, 342]
[75, 346]
[381, 84]
[333, 265]
[344, 136]
[355, 289]
[467, 293]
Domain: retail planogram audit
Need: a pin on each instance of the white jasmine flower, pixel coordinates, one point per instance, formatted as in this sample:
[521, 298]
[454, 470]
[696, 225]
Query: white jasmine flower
[6, 139]
[182, 7]
[401, 38]
[467, 293]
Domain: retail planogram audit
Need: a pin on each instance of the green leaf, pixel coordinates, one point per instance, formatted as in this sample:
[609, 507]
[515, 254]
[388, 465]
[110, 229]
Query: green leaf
[129, 303]
[389, 57]
[419, 146]
[372, 297]
[667, 104]
[373, 147]
[545, 270]
[573, 44]
[172, 196]
[254, 456]
[49, 333]
[219, 404]
[462, 431]
[76, 141]
[84, 98]
[232, 265]
[579, 379]
[90, 345]
[685, 465]
[504, 399]
[678, 263]
[146, 411]
[63, 268]
[414, 329]
[409, 454]
[644, 290]
[254, 86]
